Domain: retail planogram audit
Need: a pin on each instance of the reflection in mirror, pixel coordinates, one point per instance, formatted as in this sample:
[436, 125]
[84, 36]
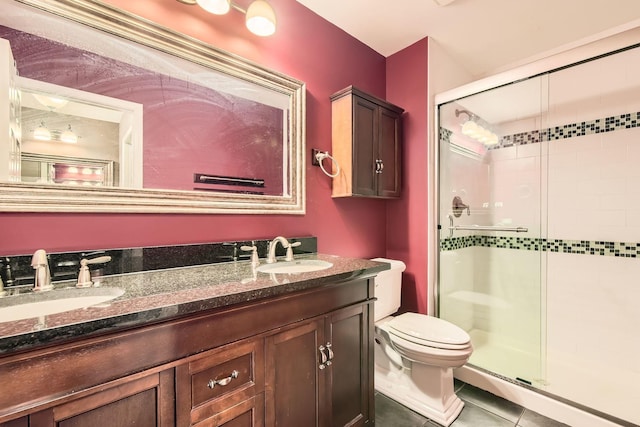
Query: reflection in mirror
[66, 129]
[189, 123]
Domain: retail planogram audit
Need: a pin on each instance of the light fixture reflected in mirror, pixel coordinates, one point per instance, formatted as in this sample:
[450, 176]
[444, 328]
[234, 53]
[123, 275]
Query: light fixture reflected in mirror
[41, 133]
[51, 102]
[260, 16]
[68, 136]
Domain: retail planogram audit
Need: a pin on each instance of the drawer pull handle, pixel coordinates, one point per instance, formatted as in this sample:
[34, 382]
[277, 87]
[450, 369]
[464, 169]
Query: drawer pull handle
[224, 381]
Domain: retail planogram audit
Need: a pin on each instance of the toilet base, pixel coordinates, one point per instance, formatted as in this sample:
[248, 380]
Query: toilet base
[428, 390]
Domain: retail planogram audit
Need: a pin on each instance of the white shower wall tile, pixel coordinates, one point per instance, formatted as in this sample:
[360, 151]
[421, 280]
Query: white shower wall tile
[502, 154]
[530, 150]
[594, 297]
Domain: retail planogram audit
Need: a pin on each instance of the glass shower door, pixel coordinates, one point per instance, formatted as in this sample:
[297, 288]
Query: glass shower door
[492, 192]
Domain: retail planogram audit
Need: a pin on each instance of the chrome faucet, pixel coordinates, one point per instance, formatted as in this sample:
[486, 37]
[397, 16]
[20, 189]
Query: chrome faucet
[271, 257]
[84, 275]
[42, 276]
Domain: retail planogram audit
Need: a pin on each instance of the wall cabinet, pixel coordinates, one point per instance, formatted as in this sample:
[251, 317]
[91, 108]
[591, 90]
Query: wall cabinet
[303, 359]
[366, 143]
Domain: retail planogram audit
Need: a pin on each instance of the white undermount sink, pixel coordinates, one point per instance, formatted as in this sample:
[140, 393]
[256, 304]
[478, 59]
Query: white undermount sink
[295, 266]
[34, 304]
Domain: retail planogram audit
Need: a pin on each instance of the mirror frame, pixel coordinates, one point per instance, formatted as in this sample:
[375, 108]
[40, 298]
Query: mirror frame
[19, 197]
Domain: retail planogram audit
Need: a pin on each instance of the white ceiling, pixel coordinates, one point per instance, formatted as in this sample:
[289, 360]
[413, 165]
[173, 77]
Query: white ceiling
[481, 35]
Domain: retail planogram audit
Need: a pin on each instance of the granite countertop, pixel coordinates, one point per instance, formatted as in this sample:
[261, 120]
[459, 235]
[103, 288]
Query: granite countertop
[153, 296]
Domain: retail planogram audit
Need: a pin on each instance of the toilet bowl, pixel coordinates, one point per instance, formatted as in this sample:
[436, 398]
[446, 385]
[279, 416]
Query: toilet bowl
[415, 354]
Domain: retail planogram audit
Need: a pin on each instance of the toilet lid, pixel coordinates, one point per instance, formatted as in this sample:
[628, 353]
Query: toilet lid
[421, 328]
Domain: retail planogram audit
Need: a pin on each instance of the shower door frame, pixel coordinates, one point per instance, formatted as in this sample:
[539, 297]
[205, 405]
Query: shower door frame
[620, 38]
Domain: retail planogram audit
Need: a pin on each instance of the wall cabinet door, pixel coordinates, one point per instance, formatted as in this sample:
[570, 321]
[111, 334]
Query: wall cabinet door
[142, 402]
[319, 372]
[389, 179]
[366, 143]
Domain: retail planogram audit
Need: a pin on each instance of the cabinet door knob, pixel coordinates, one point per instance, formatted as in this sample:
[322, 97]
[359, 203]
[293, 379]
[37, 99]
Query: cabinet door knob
[224, 381]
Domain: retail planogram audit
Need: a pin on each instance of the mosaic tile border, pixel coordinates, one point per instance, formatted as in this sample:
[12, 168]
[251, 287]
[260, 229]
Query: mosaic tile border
[571, 130]
[583, 247]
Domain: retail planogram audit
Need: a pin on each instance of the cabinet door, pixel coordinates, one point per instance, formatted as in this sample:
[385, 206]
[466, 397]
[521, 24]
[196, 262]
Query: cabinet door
[20, 422]
[141, 402]
[349, 381]
[389, 154]
[365, 139]
[293, 379]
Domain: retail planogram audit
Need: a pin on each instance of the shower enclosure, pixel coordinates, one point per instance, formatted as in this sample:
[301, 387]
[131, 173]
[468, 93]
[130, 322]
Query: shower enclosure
[539, 230]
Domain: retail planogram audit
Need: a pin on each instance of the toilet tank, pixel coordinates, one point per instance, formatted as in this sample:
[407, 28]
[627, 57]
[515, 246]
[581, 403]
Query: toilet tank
[388, 286]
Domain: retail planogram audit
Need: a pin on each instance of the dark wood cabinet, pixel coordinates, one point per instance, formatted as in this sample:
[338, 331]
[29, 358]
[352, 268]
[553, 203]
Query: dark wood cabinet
[350, 374]
[302, 359]
[139, 401]
[20, 422]
[366, 143]
[318, 372]
[223, 386]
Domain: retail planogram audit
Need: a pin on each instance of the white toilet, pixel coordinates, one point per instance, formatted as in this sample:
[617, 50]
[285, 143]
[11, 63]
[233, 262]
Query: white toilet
[415, 354]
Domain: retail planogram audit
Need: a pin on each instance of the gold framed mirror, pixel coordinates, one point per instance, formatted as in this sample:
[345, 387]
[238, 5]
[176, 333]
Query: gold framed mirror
[253, 162]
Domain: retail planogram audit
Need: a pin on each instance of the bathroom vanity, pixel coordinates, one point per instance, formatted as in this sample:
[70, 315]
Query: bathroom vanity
[210, 345]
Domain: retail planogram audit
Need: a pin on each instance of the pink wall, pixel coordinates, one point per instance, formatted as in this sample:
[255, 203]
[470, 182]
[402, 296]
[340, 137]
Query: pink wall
[407, 217]
[305, 47]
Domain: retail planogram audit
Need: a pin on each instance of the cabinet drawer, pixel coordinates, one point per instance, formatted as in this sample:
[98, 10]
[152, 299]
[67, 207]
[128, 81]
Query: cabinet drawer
[223, 378]
[249, 413]
[220, 379]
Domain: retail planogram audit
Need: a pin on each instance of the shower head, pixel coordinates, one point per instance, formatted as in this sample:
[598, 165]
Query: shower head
[470, 115]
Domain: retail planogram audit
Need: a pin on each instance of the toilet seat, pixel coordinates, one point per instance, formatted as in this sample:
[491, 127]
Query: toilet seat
[444, 358]
[428, 331]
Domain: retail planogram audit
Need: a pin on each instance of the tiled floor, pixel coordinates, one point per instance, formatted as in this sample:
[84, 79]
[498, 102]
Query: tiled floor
[481, 409]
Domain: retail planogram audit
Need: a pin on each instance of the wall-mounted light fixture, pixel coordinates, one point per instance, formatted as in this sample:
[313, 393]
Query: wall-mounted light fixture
[260, 16]
[475, 130]
[68, 136]
[42, 133]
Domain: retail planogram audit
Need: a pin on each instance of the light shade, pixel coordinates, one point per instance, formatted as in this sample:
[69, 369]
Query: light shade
[217, 7]
[69, 136]
[479, 133]
[51, 102]
[41, 133]
[261, 18]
